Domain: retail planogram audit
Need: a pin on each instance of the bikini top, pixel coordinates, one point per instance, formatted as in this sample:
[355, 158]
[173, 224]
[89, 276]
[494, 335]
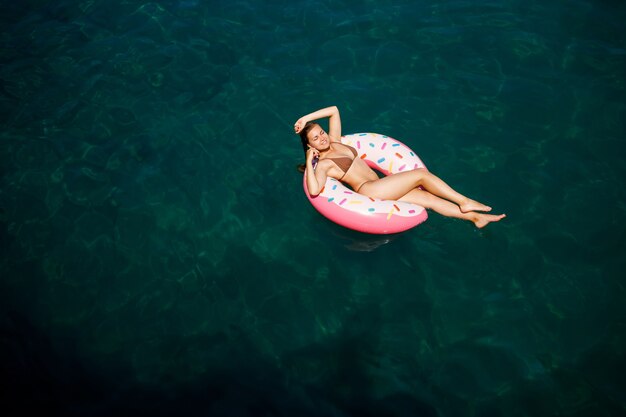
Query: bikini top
[344, 163]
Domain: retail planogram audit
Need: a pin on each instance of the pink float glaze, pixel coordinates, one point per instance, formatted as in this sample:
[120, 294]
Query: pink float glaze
[375, 223]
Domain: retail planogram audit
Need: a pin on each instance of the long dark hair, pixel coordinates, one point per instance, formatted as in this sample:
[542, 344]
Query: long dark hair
[305, 141]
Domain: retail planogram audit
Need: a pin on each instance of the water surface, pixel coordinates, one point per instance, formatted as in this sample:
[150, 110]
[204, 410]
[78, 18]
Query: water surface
[159, 256]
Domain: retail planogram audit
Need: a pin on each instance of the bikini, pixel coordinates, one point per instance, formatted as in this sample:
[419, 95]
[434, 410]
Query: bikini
[344, 164]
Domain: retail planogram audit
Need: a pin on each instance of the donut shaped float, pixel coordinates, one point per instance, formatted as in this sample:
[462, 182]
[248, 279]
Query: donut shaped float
[355, 211]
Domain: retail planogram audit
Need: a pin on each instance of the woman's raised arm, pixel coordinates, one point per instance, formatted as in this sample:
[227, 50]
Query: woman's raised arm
[334, 121]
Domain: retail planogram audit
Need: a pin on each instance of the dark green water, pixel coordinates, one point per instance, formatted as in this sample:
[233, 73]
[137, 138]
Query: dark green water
[159, 256]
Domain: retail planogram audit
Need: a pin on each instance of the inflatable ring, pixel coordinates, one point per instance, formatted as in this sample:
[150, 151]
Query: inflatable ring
[347, 208]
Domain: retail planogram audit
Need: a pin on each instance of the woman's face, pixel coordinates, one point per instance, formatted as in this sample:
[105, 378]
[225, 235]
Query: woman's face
[318, 138]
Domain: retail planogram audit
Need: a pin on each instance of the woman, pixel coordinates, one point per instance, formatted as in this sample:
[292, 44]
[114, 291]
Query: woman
[340, 161]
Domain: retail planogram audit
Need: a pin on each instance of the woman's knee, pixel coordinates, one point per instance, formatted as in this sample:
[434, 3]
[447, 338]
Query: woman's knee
[419, 174]
[429, 200]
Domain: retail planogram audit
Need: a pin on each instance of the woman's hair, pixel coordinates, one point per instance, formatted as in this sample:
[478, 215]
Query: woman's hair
[305, 141]
[303, 135]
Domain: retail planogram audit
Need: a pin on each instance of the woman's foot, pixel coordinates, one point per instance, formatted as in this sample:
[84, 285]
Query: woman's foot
[481, 220]
[473, 205]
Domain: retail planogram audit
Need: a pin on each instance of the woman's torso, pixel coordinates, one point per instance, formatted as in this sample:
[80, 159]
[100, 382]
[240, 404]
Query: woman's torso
[348, 167]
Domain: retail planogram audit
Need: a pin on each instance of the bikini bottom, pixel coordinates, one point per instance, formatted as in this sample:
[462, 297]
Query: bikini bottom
[361, 186]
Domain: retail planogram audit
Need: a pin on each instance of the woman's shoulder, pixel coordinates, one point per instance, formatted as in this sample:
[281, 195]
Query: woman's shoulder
[325, 163]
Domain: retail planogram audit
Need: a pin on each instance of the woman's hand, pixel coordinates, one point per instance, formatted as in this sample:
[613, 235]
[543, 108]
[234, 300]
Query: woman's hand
[311, 153]
[299, 125]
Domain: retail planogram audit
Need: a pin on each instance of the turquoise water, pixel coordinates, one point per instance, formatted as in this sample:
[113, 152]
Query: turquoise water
[159, 256]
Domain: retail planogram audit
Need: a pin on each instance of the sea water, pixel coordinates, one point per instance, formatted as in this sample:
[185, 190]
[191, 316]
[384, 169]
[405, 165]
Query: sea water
[159, 256]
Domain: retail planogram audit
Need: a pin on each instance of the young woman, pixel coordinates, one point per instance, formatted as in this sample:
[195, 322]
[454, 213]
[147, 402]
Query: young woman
[340, 161]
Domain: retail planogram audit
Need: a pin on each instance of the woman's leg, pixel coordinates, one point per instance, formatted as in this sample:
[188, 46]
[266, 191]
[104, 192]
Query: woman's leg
[394, 186]
[448, 209]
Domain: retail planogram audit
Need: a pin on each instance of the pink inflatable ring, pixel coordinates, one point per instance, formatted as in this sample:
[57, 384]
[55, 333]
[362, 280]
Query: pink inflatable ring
[343, 206]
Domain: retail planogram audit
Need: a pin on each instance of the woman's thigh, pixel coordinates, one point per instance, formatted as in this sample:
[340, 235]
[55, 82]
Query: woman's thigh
[392, 187]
